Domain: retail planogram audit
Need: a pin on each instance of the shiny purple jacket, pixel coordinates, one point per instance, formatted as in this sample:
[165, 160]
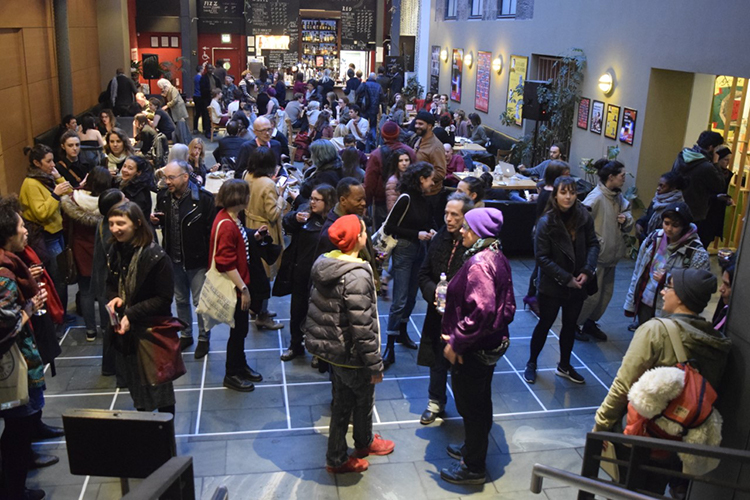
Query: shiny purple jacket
[480, 303]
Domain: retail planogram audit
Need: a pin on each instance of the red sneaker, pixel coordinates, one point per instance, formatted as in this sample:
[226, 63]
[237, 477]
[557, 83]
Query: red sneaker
[379, 446]
[353, 464]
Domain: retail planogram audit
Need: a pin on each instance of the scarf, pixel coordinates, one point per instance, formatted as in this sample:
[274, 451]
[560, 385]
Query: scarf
[42, 176]
[492, 243]
[660, 203]
[113, 91]
[113, 162]
[27, 286]
[128, 281]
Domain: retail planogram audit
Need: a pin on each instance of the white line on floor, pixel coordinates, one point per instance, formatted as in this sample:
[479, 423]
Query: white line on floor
[284, 384]
[526, 384]
[200, 396]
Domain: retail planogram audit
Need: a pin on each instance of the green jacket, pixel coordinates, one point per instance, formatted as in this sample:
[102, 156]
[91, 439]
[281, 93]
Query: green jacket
[651, 348]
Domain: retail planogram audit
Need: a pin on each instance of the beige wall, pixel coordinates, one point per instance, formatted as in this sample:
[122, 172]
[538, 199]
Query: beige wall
[630, 38]
[28, 83]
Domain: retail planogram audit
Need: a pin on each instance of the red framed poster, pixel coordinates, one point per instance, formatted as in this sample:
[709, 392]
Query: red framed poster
[482, 94]
[583, 113]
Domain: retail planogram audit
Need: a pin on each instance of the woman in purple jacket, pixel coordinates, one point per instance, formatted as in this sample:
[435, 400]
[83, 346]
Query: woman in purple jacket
[479, 307]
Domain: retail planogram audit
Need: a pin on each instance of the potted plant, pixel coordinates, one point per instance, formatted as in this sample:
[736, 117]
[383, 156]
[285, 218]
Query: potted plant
[413, 90]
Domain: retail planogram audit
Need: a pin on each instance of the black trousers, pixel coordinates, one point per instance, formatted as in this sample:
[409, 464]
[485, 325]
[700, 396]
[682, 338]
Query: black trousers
[472, 387]
[298, 312]
[15, 447]
[197, 111]
[236, 361]
[548, 308]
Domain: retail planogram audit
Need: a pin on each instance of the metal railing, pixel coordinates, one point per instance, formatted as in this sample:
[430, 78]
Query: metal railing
[173, 481]
[607, 490]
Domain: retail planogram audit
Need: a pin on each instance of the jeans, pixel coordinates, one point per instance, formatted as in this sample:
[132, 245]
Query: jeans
[88, 305]
[298, 313]
[407, 258]
[472, 387]
[595, 305]
[437, 390]
[548, 309]
[186, 283]
[236, 361]
[371, 134]
[55, 246]
[352, 392]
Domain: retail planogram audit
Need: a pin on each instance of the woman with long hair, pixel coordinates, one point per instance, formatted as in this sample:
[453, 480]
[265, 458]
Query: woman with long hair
[304, 226]
[107, 122]
[137, 182]
[196, 159]
[20, 298]
[118, 149]
[566, 248]
[140, 287]
[40, 201]
[409, 220]
[351, 164]
[462, 124]
[475, 188]
[322, 128]
[89, 134]
[233, 244]
[69, 164]
[478, 134]
[81, 210]
[396, 164]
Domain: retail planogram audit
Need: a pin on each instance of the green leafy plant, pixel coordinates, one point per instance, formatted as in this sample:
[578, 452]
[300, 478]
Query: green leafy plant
[559, 97]
[413, 90]
[170, 69]
[136, 69]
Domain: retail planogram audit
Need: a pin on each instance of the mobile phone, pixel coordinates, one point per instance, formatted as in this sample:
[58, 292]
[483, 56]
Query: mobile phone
[281, 182]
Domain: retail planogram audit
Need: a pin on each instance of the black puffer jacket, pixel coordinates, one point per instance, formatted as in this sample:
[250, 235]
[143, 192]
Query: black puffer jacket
[342, 325]
[560, 258]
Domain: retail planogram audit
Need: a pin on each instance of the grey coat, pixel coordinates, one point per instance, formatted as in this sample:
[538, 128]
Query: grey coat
[342, 325]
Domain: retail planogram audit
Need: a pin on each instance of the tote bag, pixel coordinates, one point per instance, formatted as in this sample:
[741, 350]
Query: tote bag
[14, 379]
[218, 299]
[385, 243]
[159, 354]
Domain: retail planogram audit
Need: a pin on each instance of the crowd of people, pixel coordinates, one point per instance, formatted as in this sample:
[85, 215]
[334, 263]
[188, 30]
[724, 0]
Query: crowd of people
[274, 230]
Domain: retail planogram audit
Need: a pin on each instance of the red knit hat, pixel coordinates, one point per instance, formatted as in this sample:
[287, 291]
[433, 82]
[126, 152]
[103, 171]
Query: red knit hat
[390, 131]
[344, 232]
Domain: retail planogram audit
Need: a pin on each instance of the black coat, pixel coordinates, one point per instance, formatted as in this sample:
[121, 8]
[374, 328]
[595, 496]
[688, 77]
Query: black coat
[244, 156]
[298, 258]
[197, 215]
[140, 194]
[229, 147]
[436, 262]
[560, 258]
[205, 86]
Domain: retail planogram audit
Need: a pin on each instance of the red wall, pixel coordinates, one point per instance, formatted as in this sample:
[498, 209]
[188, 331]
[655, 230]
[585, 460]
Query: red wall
[165, 54]
[207, 42]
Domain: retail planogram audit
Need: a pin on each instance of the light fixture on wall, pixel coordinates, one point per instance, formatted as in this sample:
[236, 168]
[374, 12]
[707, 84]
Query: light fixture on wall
[444, 55]
[497, 65]
[606, 83]
[469, 59]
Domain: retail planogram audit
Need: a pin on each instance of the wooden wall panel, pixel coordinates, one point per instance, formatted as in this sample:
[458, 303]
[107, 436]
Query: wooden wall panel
[25, 13]
[11, 58]
[44, 99]
[78, 41]
[39, 48]
[14, 124]
[81, 13]
[16, 164]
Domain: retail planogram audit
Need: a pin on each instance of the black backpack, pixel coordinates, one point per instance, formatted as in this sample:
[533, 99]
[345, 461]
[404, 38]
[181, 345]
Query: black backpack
[363, 98]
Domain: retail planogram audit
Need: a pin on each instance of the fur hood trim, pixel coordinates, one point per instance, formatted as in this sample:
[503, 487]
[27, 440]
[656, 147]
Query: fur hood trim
[82, 208]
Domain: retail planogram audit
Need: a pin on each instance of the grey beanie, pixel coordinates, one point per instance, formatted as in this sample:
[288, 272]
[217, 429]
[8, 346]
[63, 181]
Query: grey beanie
[694, 287]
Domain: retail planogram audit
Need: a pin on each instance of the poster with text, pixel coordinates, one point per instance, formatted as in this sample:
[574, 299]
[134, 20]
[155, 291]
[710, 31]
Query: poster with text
[627, 131]
[516, 76]
[613, 118]
[434, 68]
[583, 113]
[482, 94]
[597, 116]
[456, 74]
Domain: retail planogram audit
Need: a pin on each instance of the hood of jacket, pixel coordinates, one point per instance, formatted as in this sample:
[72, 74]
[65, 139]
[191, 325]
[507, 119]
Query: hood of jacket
[690, 158]
[82, 207]
[330, 267]
[700, 336]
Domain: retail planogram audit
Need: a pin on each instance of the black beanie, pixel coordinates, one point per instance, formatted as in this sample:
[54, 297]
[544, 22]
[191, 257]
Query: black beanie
[694, 287]
[426, 117]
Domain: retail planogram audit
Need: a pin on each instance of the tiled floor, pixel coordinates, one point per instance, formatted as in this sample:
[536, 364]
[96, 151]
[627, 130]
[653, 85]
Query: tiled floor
[270, 444]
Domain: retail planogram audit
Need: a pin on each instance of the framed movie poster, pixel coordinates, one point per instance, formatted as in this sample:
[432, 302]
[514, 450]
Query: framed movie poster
[516, 77]
[456, 74]
[627, 131]
[583, 113]
[597, 117]
[482, 94]
[613, 118]
[434, 68]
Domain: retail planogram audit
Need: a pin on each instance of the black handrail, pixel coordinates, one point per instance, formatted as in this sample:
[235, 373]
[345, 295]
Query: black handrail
[607, 490]
[174, 479]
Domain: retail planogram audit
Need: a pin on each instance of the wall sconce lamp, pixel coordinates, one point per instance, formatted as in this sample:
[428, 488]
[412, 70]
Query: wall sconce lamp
[606, 83]
[469, 59]
[497, 65]
[444, 55]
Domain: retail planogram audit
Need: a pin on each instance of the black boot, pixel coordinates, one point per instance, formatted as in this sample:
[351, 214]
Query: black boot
[389, 356]
[403, 338]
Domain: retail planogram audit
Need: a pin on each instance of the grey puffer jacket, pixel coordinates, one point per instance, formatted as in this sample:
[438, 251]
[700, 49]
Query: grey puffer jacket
[342, 325]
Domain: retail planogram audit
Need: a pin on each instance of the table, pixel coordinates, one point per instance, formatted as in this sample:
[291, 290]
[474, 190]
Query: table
[214, 183]
[469, 147]
[508, 183]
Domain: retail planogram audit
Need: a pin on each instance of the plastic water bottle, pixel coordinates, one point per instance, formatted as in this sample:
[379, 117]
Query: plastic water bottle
[441, 291]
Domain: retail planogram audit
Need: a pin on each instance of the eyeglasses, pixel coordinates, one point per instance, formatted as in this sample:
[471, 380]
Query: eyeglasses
[264, 130]
[465, 227]
[669, 286]
[312, 198]
[172, 178]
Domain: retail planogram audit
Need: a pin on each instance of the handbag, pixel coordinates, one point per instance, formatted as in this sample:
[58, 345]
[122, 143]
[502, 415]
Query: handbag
[66, 263]
[385, 243]
[14, 379]
[218, 299]
[159, 354]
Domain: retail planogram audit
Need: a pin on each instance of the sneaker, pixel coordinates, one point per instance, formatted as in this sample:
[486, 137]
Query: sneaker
[379, 446]
[529, 374]
[570, 374]
[592, 329]
[580, 336]
[202, 349]
[459, 474]
[633, 326]
[353, 464]
[455, 451]
[29, 494]
[90, 336]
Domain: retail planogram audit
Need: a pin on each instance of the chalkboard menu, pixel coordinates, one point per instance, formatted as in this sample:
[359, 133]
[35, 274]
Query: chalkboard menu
[220, 25]
[221, 16]
[220, 8]
[357, 25]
